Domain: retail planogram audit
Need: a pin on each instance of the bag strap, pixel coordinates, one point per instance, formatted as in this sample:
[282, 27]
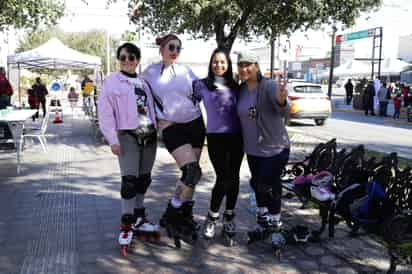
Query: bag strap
[156, 100]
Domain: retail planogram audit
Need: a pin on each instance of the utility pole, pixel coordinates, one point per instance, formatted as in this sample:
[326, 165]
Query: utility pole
[332, 61]
[139, 35]
[107, 52]
[272, 54]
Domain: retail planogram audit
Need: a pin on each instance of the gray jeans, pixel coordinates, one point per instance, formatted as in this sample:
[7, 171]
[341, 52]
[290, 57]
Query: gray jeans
[135, 159]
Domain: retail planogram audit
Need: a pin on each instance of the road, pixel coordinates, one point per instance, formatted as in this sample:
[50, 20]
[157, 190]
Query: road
[355, 128]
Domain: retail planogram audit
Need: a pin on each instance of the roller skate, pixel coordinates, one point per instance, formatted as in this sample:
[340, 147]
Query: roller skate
[209, 229]
[179, 223]
[126, 233]
[278, 241]
[229, 228]
[267, 227]
[142, 228]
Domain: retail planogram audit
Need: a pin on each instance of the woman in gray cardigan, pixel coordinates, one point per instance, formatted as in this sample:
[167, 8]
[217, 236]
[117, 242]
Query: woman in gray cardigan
[262, 108]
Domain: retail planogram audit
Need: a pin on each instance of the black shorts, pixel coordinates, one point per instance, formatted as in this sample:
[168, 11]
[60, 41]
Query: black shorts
[180, 134]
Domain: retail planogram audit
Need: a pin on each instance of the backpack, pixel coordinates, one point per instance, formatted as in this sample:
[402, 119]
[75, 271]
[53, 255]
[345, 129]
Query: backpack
[364, 205]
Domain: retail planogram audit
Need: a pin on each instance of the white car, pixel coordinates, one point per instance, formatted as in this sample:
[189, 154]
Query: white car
[308, 101]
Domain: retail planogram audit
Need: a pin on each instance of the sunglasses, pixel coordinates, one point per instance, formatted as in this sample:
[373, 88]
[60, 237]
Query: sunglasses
[131, 58]
[173, 47]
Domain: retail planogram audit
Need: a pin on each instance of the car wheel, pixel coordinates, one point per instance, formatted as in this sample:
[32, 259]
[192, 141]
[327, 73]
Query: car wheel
[320, 122]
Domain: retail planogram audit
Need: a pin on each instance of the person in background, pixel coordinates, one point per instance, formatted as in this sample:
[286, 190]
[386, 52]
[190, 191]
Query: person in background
[405, 94]
[349, 91]
[41, 92]
[33, 103]
[368, 96]
[73, 97]
[88, 89]
[6, 90]
[383, 100]
[397, 104]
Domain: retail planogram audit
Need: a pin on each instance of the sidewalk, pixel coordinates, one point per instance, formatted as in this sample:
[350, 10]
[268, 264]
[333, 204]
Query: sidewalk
[338, 104]
[61, 215]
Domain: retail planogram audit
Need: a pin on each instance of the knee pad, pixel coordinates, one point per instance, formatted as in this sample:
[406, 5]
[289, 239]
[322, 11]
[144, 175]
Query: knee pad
[191, 174]
[128, 189]
[143, 183]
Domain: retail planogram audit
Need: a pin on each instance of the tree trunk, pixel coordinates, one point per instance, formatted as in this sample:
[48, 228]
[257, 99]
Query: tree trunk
[226, 42]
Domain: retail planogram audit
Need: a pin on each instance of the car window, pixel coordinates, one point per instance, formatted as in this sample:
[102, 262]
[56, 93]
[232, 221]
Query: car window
[308, 89]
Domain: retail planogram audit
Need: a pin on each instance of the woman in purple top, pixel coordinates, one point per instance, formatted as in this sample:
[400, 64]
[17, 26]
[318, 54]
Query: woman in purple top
[219, 93]
[127, 120]
[183, 132]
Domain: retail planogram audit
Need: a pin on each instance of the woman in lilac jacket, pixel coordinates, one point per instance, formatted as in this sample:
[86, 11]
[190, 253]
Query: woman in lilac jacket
[127, 120]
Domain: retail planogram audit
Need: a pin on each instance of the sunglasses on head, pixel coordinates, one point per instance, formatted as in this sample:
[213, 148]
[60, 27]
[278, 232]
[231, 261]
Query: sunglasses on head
[173, 47]
[123, 58]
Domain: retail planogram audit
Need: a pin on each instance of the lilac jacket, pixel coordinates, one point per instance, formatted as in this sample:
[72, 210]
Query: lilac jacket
[117, 108]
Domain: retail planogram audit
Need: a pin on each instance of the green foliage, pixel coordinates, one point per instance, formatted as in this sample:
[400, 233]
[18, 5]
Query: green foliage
[30, 13]
[92, 42]
[226, 20]
[129, 36]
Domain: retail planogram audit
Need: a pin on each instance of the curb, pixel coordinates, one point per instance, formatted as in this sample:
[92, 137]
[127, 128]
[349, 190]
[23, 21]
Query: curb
[397, 122]
[348, 110]
[386, 120]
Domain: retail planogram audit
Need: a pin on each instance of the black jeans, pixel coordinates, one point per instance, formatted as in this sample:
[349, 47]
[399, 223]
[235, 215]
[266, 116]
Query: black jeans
[4, 103]
[383, 108]
[265, 181]
[349, 97]
[226, 154]
[42, 102]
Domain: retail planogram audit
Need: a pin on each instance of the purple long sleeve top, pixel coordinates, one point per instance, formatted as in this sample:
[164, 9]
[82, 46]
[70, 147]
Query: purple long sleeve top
[220, 105]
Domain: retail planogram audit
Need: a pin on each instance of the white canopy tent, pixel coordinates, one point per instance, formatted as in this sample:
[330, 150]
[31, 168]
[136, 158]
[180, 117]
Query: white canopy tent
[52, 55]
[352, 68]
[389, 66]
[392, 66]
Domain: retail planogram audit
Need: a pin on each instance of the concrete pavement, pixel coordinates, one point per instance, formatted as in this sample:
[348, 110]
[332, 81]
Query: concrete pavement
[61, 215]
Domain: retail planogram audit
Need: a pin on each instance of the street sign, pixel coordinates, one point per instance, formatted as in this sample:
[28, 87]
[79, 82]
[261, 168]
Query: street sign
[356, 35]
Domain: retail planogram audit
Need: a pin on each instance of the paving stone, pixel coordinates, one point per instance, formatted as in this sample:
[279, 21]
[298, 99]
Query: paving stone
[346, 270]
[314, 251]
[330, 260]
[68, 209]
[307, 265]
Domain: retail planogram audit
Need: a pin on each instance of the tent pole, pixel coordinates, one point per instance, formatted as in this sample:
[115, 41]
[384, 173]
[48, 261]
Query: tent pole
[18, 83]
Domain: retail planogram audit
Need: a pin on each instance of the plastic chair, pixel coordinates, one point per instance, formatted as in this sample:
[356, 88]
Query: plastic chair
[39, 133]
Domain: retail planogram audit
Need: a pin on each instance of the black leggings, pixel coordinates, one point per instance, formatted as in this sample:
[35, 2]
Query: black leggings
[265, 181]
[226, 154]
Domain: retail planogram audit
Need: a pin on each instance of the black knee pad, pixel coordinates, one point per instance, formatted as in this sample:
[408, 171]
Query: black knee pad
[128, 189]
[143, 183]
[191, 174]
